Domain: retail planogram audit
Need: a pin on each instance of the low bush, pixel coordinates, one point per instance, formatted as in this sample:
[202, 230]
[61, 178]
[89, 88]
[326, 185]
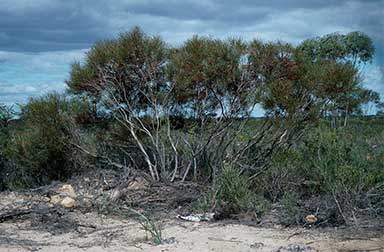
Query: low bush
[7, 114]
[39, 149]
[231, 195]
[336, 173]
[233, 188]
[344, 165]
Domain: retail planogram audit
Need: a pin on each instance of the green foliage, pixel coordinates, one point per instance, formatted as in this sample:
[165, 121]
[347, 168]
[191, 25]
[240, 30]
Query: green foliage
[308, 80]
[135, 60]
[208, 75]
[231, 194]
[343, 162]
[343, 167]
[281, 177]
[291, 208]
[232, 187]
[7, 114]
[205, 204]
[359, 47]
[355, 47]
[343, 90]
[40, 149]
[149, 226]
[205, 72]
[141, 82]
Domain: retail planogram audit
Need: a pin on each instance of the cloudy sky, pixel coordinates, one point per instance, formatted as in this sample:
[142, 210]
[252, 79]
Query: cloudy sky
[40, 38]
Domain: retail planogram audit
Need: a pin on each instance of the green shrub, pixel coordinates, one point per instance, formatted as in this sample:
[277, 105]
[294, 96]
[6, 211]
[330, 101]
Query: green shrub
[7, 121]
[281, 177]
[233, 188]
[39, 150]
[231, 195]
[3, 172]
[149, 226]
[344, 165]
[291, 208]
[341, 162]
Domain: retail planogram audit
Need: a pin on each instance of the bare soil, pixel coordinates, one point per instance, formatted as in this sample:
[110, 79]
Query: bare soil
[109, 234]
[37, 225]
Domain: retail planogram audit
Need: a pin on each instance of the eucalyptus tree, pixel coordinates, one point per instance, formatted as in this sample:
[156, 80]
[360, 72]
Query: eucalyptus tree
[214, 85]
[212, 88]
[349, 53]
[126, 77]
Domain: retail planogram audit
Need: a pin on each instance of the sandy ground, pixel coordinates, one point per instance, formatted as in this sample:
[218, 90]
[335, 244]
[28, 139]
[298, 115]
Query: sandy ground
[95, 232]
[121, 235]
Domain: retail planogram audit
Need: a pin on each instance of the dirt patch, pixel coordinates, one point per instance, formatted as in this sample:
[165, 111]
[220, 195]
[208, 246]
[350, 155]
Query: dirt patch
[29, 221]
[120, 235]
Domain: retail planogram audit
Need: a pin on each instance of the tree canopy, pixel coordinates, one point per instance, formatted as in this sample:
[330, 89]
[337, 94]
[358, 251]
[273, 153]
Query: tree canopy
[206, 76]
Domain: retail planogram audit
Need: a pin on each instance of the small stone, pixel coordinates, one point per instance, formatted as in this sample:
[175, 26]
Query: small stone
[87, 202]
[67, 190]
[311, 219]
[46, 199]
[257, 245]
[55, 199]
[68, 202]
[297, 248]
[116, 194]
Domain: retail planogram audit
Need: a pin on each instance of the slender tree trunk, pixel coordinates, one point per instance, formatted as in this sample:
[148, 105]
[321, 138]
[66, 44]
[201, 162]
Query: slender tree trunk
[333, 122]
[346, 116]
[345, 119]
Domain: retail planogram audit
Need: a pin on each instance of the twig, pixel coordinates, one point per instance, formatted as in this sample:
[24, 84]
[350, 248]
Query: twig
[14, 214]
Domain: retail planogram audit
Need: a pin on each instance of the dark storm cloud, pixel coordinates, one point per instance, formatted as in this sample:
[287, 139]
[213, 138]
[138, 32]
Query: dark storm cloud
[46, 25]
[227, 10]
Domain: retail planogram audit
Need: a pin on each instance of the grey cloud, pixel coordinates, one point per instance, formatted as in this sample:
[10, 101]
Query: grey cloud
[60, 26]
[43, 25]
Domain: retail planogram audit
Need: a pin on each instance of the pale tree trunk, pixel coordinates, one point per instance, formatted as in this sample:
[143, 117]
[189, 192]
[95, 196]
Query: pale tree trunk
[346, 116]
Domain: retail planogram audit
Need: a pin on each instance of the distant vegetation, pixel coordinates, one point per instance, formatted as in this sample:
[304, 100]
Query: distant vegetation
[183, 113]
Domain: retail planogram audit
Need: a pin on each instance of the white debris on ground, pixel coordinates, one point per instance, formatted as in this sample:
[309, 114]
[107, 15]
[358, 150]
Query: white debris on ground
[197, 217]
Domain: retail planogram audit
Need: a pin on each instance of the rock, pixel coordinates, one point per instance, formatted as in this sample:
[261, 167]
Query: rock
[87, 202]
[311, 219]
[46, 199]
[295, 248]
[55, 199]
[257, 245]
[68, 202]
[67, 190]
[169, 240]
[116, 194]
